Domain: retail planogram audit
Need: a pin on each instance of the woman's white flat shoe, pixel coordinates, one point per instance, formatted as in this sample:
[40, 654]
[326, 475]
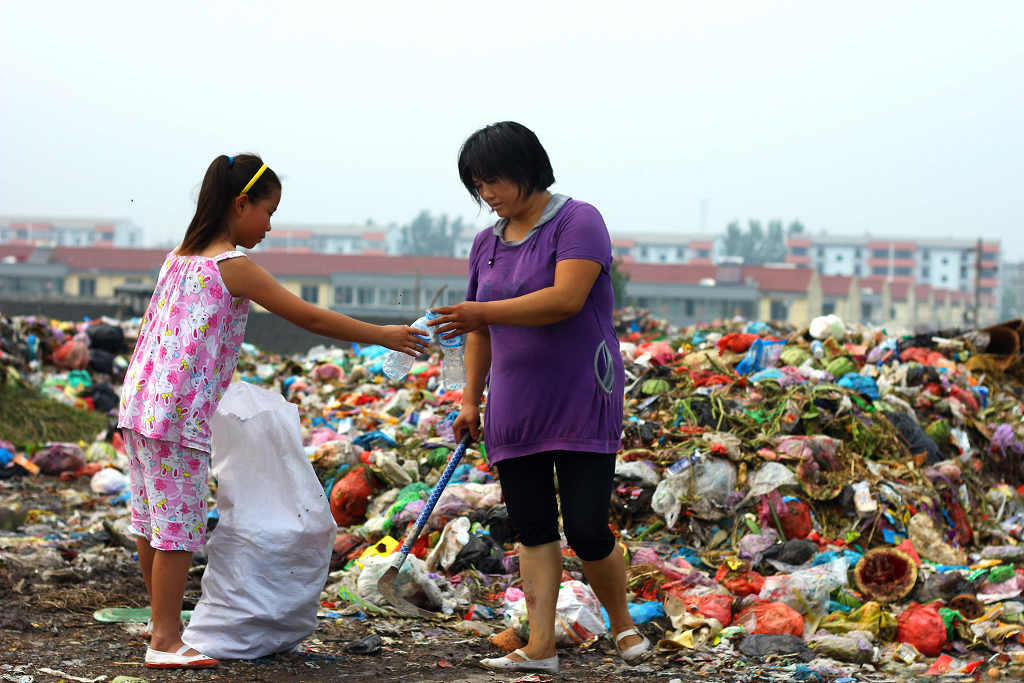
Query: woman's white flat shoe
[548, 665]
[635, 652]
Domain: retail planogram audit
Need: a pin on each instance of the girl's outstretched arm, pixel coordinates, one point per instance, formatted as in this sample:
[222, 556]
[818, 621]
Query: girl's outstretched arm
[251, 281]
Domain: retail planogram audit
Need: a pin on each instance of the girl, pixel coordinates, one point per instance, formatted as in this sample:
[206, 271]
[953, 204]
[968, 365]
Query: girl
[184, 359]
[538, 320]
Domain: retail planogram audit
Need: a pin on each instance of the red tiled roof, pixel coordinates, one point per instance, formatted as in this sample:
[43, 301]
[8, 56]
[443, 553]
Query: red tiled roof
[921, 292]
[779, 279]
[109, 258]
[900, 290]
[873, 282]
[836, 285]
[18, 251]
[690, 274]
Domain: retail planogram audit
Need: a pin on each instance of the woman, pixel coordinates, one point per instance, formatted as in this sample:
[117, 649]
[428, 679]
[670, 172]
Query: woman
[538, 321]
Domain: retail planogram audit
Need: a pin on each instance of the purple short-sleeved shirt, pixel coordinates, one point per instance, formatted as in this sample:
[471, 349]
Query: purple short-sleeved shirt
[559, 386]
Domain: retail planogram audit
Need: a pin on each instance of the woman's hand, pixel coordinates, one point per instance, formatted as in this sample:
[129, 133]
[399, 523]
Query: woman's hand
[458, 319]
[468, 418]
[403, 338]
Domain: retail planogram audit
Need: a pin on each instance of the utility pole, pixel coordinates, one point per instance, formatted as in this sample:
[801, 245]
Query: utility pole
[977, 285]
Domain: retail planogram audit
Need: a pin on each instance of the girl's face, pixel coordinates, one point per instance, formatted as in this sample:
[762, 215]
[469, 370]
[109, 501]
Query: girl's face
[503, 196]
[253, 220]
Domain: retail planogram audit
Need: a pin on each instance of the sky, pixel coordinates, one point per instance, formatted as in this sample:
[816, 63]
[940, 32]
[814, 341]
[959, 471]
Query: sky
[891, 118]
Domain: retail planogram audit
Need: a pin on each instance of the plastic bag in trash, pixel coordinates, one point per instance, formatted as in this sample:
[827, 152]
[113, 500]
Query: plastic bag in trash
[577, 615]
[853, 647]
[55, 458]
[826, 326]
[704, 487]
[922, 626]
[412, 583]
[762, 645]
[806, 590]
[762, 354]
[453, 538]
[480, 553]
[108, 481]
[775, 618]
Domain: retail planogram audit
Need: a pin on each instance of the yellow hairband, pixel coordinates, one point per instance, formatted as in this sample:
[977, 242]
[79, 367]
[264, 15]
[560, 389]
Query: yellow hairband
[252, 182]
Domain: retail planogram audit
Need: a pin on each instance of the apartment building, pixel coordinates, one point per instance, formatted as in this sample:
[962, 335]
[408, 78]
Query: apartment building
[69, 232]
[942, 264]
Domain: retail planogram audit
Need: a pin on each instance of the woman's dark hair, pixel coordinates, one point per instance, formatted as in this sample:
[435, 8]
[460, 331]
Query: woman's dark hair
[506, 150]
[224, 181]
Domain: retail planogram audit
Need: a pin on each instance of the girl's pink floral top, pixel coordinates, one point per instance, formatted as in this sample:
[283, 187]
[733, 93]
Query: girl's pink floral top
[186, 353]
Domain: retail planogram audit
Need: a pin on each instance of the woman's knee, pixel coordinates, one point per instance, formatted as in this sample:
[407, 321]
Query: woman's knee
[590, 543]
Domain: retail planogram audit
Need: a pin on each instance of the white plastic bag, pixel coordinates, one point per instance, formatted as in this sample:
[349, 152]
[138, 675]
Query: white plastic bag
[270, 553]
[577, 615]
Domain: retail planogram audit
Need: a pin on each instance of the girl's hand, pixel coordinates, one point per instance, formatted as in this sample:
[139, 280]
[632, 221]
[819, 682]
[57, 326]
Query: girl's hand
[458, 319]
[468, 418]
[403, 338]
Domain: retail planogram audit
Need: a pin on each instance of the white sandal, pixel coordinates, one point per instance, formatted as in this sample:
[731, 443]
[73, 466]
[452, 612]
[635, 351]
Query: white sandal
[635, 652]
[156, 659]
[548, 665]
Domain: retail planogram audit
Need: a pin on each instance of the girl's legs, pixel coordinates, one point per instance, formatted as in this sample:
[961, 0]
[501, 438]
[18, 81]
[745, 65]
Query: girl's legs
[170, 570]
[527, 484]
[585, 483]
[146, 553]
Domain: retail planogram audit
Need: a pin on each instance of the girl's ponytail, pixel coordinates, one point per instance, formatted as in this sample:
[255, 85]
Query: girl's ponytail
[224, 180]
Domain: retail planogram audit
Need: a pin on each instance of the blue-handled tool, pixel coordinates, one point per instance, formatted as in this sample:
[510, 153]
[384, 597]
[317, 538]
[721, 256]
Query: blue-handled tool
[386, 583]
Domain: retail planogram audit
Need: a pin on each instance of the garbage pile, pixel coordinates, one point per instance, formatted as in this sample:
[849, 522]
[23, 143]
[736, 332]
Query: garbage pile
[836, 497]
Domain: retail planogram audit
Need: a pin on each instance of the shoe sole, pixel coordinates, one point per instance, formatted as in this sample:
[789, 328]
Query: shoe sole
[199, 664]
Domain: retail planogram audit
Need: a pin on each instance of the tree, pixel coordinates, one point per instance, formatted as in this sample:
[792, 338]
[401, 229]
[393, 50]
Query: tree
[429, 236]
[756, 246]
[619, 280]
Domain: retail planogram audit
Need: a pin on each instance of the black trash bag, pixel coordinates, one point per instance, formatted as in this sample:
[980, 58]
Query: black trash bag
[944, 587]
[101, 361]
[498, 524]
[481, 553]
[103, 397]
[759, 645]
[106, 337]
[796, 551]
[914, 436]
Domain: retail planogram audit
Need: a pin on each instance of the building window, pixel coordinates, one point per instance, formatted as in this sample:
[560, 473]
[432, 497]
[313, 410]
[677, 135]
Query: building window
[680, 253]
[879, 270]
[821, 252]
[643, 252]
[902, 271]
[839, 257]
[86, 286]
[364, 296]
[453, 297]
[945, 260]
[925, 272]
[903, 254]
[703, 253]
[945, 279]
[925, 254]
[662, 257]
[778, 310]
[688, 307]
[879, 253]
[409, 298]
[343, 295]
[828, 308]
[798, 251]
[856, 252]
[311, 293]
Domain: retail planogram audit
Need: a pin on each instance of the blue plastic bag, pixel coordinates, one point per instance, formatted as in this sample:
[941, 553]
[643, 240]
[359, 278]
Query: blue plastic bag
[762, 354]
[860, 384]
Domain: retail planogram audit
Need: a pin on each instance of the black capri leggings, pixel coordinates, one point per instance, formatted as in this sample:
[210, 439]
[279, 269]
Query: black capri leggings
[585, 487]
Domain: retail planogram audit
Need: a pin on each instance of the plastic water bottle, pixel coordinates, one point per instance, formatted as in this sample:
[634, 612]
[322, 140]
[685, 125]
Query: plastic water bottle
[397, 364]
[453, 366]
[818, 349]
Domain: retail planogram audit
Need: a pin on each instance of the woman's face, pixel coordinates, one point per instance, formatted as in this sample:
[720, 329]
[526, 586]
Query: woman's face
[503, 196]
